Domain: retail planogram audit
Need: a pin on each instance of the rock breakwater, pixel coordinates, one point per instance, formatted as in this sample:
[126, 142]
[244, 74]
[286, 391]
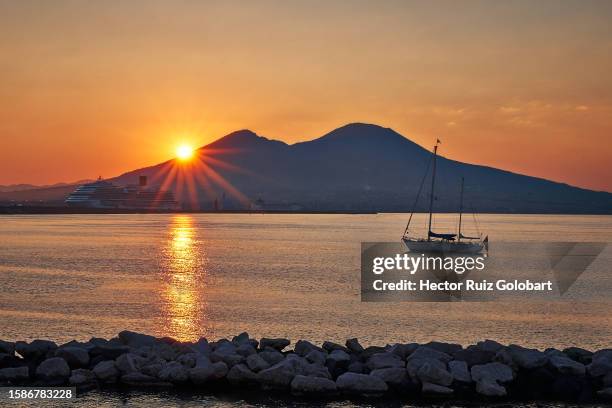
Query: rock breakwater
[487, 370]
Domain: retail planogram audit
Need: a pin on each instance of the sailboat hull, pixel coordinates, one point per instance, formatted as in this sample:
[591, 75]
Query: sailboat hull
[442, 246]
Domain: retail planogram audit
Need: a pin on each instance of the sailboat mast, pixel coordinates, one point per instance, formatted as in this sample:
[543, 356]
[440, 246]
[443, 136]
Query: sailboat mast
[460, 210]
[431, 194]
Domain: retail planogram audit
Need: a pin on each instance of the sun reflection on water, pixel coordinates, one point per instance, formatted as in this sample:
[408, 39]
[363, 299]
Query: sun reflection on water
[183, 271]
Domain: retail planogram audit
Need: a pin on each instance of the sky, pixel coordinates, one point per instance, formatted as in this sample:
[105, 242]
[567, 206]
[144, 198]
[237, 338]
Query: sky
[100, 88]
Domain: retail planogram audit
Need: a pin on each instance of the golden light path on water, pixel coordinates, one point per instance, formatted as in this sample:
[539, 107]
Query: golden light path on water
[183, 270]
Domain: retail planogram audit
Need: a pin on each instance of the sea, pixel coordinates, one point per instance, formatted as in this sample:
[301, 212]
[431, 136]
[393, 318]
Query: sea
[187, 276]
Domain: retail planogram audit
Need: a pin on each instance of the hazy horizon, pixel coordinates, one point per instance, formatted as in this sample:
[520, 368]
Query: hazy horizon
[94, 89]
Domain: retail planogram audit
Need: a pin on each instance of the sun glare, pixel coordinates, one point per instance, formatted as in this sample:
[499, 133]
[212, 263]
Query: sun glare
[184, 152]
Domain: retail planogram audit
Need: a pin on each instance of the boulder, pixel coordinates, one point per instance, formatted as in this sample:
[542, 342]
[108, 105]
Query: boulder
[152, 369]
[229, 359]
[488, 345]
[423, 352]
[256, 363]
[162, 350]
[447, 348]
[316, 386]
[384, 360]
[316, 357]
[413, 365]
[246, 350]
[337, 356]
[353, 346]
[53, 370]
[241, 375]
[460, 371]
[490, 388]
[330, 346]
[303, 347]
[243, 338]
[188, 359]
[357, 367]
[7, 347]
[76, 357]
[201, 347]
[394, 377]
[14, 374]
[106, 371]
[601, 363]
[108, 351]
[281, 374]
[129, 363]
[205, 371]
[174, 372]
[36, 350]
[473, 355]
[81, 376]
[277, 344]
[527, 358]
[370, 351]
[402, 350]
[136, 340]
[272, 357]
[579, 354]
[361, 384]
[432, 373]
[566, 365]
[492, 372]
[435, 389]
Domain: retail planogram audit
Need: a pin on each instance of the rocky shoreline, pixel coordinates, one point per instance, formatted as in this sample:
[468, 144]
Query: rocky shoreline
[484, 371]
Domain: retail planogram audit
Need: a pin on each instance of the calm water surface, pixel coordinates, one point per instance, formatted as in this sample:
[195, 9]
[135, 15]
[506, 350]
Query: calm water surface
[75, 276]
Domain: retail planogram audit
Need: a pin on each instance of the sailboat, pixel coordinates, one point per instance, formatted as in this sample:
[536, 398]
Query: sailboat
[442, 242]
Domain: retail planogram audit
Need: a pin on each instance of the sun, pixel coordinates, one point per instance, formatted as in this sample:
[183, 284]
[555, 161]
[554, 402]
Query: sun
[184, 152]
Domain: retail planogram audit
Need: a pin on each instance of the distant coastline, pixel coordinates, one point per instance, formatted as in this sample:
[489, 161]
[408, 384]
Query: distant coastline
[25, 210]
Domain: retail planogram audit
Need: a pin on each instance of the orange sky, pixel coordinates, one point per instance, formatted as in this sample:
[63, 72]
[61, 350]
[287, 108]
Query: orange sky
[99, 88]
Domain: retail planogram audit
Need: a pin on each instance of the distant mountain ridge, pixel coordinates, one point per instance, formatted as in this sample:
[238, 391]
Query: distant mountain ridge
[357, 167]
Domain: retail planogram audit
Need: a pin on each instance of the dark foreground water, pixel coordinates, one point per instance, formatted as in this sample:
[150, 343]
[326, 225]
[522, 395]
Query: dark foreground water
[76, 276]
[169, 399]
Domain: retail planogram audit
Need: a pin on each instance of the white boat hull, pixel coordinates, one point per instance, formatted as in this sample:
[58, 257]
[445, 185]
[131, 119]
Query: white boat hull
[437, 246]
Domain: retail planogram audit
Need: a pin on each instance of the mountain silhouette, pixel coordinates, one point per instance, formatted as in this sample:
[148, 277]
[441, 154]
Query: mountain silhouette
[358, 167]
